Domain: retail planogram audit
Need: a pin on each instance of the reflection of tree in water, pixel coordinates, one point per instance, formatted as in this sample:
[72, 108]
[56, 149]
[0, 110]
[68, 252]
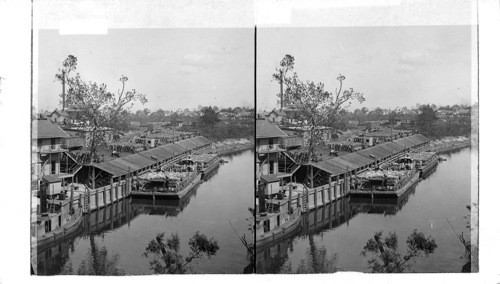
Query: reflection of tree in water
[98, 262]
[385, 257]
[167, 258]
[318, 260]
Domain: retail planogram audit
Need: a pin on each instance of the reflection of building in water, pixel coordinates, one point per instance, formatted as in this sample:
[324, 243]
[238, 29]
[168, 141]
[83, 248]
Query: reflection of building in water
[270, 259]
[51, 260]
[273, 259]
[385, 206]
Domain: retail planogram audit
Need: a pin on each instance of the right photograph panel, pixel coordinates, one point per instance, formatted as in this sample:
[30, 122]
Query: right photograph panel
[364, 147]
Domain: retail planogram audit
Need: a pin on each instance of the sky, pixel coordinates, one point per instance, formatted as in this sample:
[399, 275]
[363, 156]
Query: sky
[174, 67]
[394, 66]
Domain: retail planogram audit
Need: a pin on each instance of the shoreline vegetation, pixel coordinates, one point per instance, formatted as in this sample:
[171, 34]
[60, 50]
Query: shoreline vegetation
[231, 146]
[449, 144]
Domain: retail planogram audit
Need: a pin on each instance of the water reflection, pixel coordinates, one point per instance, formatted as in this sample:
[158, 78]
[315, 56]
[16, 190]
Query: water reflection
[115, 237]
[54, 259]
[332, 237]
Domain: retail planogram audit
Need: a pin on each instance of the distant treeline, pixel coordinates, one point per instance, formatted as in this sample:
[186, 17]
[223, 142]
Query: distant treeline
[441, 129]
[225, 130]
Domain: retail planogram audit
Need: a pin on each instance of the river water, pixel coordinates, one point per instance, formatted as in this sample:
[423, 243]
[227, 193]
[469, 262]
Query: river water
[113, 241]
[333, 237]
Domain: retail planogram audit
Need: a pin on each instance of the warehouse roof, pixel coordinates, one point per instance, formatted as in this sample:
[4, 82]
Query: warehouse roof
[141, 160]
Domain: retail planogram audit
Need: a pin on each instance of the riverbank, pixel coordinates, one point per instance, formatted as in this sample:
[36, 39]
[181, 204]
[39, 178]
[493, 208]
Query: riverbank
[449, 144]
[231, 146]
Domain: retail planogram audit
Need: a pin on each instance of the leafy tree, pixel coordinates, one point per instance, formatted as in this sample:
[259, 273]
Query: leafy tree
[385, 255]
[392, 118]
[99, 108]
[167, 258]
[316, 106]
[209, 116]
[160, 113]
[426, 118]
[146, 112]
[364, 110]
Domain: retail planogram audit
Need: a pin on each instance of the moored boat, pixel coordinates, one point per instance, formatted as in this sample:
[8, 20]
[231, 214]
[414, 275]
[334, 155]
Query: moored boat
[172, 181]
[207, 163]
[424, 161]
[391, 181]
[283, 225]
[58, 221]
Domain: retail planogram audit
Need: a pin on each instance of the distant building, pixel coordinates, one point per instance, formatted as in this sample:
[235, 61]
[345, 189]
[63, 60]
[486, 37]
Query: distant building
[85, 132]
[275, 116]
[58, 116]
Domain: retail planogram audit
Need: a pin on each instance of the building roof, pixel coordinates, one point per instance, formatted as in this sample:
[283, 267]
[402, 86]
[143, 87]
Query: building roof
[265, 129]
[282, 113]
[141, 160]
[60, 112]
[51, 178]
[355, 160]
[269, 178]
[42, 128]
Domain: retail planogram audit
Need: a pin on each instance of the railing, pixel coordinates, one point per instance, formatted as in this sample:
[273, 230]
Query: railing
[264, 148]
[49, 148]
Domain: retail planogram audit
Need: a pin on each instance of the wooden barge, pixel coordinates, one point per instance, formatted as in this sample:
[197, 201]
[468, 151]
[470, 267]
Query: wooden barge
[177, 192]
[389, 181]
[206, 163]
[424, 161]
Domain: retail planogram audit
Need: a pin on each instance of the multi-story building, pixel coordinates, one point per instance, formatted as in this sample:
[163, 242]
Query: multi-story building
[49, 153]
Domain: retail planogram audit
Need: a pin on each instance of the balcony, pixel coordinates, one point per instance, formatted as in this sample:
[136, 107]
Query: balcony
[270, 148]
[50, 148]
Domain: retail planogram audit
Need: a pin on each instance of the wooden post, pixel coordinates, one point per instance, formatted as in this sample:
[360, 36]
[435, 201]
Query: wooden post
[137, 181]
[71, 199]
[315, 198]
[335, 189]
[289, 197]
[312, 177]
[120, 182]
[299, 201]
[112, 197]
[96, 198]
[323, 195]
[80, 201]
[330, 188]
[93, 177]
[356, 180]
[104, 199]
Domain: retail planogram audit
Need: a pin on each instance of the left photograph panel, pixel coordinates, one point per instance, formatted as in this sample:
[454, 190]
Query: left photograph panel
[142, 152]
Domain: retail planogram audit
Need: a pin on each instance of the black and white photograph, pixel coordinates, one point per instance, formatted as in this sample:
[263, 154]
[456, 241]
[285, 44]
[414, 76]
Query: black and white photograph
[138, 144]
[249, 141]
[364, 145]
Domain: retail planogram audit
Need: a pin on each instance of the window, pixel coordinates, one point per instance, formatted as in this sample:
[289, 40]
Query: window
[267, 226]
[52, 141]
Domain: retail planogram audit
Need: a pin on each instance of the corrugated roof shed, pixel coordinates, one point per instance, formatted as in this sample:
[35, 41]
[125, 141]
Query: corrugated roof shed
[266, 129]
[329, 168]
[141, 160]
[404, 142]
[342, 164]
[339, 165]
[43, 129]
[374, 152]
[356, 159]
